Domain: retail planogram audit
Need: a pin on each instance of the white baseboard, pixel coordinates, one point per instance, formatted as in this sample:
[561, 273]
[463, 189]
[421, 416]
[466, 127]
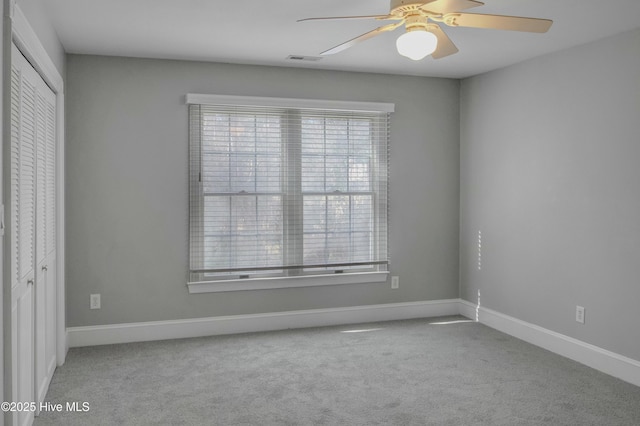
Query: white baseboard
[468, 310]
[198, 327]
[595, 357]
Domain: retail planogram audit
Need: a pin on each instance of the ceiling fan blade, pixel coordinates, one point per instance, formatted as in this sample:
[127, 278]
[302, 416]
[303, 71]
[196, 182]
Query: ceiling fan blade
[446, 6]
[445, 45]
[499, 22]
[363, 37]
[334, 18]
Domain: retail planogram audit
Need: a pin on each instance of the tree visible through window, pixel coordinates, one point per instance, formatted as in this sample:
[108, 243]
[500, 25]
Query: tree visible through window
[280, 191]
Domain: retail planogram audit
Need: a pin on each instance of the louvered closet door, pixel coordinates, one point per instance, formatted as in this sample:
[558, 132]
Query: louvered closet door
[49, 268]
[45, 284]
[33, 286]
[23, 160]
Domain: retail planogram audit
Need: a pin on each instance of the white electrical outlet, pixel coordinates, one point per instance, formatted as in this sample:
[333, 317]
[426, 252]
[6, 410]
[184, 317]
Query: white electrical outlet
[580, 314]
[94, 301]
[395, 282]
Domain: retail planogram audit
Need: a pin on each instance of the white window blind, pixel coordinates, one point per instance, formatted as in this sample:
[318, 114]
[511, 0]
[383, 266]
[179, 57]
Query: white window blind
[287, 191]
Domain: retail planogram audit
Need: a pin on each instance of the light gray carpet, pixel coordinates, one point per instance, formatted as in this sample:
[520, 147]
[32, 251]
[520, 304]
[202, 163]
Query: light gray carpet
[410, 372]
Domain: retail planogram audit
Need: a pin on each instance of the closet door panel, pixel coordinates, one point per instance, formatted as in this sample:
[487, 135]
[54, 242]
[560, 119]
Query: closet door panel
[41, 179]
[33, 236]
[26, 196]
[45, 316]
[24, 81]
[23, 161]
[16, 87]
[22, 350]
[44, 290]
[51, 316]
[44, 198]
[51, 181]
[40, 324]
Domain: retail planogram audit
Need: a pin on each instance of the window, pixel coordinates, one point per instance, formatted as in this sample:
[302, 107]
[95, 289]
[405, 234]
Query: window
[283, 190]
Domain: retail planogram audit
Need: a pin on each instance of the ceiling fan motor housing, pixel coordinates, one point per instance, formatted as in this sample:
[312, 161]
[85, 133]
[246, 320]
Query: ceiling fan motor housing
[400, 7]
[416, 22]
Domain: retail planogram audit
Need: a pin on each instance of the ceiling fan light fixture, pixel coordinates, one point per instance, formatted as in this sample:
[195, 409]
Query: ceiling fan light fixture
[417, 44]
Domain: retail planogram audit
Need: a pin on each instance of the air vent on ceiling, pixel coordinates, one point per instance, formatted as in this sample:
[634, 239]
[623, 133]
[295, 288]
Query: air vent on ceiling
[304, 58]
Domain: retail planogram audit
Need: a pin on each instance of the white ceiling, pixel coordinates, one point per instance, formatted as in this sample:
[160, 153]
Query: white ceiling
[265, 32]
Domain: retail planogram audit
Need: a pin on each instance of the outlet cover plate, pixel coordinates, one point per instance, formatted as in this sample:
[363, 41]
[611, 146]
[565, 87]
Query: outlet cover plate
[395, 282]
[94, 301]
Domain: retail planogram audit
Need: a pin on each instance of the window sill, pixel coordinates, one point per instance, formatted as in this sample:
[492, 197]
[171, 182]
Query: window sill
[286, 282]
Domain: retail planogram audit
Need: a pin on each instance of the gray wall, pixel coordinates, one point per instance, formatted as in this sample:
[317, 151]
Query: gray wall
[550, 173]
[127, 186]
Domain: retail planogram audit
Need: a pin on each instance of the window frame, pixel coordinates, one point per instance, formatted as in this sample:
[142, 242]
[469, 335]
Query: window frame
[293, 278]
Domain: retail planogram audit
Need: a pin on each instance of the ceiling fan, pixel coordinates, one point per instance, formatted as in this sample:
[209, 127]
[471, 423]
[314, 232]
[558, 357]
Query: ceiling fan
[424, 36]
